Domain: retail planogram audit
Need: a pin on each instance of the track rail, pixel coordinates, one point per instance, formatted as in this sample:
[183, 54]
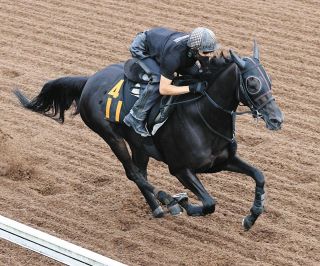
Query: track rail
[51, 246]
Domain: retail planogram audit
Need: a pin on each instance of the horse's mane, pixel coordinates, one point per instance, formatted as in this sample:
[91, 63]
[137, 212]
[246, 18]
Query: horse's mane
[216, 66]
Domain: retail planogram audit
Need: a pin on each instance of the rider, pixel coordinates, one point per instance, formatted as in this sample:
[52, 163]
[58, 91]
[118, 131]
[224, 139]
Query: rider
[165, 53]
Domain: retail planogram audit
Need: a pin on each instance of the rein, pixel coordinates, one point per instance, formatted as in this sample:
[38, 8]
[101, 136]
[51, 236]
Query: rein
[181, 102]
[233, 114]
[254, 110]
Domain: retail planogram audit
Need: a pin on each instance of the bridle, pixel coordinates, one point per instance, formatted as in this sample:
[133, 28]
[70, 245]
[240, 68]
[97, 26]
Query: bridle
[248, 100]
[252, 99]
[246, 66]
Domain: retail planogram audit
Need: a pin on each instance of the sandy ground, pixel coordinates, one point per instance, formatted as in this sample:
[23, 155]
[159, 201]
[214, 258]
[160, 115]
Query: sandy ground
[64, 180]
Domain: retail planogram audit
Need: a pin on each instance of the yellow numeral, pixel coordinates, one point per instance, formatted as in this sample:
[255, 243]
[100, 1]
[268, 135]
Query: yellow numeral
[115, 90]
[108, 108]
[119, 105]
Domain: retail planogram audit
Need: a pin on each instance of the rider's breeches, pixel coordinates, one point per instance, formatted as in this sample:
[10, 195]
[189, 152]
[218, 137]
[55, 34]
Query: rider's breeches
[148, 97]
[138, 46]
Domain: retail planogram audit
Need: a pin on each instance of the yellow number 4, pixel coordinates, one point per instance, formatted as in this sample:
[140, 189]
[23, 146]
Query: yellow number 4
[114, 92]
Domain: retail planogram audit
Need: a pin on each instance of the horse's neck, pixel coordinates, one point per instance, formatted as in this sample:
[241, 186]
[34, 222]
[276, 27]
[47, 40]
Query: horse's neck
[222, 92]
[224, 89]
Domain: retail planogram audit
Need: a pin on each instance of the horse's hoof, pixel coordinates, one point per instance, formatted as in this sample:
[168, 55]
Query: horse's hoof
[175, 209]
[247, 222]
[158, 212]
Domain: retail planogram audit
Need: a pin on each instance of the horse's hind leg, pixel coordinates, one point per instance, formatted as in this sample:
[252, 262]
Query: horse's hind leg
[140, 159]
[105, 130]
[119, 148]
[150, 193]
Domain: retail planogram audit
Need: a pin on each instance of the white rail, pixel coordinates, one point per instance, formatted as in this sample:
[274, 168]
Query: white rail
[51, 246]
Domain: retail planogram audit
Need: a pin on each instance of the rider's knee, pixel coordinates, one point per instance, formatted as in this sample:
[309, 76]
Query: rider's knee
[138, 46]
[154, 78]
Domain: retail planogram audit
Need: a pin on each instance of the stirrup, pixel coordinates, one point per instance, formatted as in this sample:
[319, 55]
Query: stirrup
[180, 197]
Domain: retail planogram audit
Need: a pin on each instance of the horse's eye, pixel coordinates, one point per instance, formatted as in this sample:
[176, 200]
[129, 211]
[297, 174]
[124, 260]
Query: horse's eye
[253, 85]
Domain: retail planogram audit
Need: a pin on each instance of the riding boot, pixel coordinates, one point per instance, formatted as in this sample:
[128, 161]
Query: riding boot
[138, 125]
[138, 114]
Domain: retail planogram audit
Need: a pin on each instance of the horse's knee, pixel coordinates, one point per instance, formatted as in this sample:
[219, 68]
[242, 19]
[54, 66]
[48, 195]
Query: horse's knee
[259, 178]
[209, 206]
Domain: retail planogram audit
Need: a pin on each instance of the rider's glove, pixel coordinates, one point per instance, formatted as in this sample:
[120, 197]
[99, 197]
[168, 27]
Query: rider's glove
[198, 87]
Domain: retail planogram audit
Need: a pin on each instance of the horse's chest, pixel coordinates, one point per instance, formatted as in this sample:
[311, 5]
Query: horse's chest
[209, 157]
[221, 156]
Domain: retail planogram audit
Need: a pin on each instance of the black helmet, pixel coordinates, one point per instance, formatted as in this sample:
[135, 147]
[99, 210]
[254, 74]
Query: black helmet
[203, 39]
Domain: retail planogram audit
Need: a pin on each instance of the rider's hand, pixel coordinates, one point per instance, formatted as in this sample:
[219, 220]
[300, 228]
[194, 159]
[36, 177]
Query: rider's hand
[198, 87]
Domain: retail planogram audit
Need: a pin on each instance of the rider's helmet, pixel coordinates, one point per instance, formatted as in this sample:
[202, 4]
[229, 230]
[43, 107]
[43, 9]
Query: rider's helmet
[203, 39]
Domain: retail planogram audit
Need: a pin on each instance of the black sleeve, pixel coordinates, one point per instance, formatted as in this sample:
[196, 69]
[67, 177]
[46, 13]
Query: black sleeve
[193, 70]
[169, 65]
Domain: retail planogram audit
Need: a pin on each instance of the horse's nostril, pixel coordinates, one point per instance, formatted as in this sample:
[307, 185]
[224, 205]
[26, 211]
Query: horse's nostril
[275, 121]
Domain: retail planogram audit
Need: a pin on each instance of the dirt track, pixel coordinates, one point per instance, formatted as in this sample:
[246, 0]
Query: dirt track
[65, 181]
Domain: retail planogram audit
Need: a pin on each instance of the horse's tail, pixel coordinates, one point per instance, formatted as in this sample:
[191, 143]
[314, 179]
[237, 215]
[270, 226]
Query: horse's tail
[55, 97]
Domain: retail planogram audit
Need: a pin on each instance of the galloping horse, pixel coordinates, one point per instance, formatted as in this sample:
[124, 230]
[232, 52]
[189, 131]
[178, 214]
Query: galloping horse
[198, 137]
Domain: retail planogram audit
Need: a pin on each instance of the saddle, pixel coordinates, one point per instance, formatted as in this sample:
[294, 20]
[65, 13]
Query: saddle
[136, 71]
[123, 90]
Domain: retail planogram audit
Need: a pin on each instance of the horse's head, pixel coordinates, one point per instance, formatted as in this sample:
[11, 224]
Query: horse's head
[255, 90]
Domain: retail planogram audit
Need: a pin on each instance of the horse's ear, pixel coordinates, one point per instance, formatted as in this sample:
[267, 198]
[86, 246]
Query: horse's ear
[256, 53]
[240, 62]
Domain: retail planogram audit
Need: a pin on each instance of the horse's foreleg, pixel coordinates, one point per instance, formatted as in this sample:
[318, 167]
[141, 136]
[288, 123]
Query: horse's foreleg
[140, 159]
[191, 182]
[239, 166]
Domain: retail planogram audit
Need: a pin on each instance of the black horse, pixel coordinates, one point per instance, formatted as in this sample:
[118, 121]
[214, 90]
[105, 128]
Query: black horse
[198, 137]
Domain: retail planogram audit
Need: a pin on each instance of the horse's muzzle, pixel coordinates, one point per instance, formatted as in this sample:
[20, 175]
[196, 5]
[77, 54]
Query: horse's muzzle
[272, 116]
[273, 124]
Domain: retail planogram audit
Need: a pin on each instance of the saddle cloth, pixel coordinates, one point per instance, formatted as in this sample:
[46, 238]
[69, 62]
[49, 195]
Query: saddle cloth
[120, 95]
